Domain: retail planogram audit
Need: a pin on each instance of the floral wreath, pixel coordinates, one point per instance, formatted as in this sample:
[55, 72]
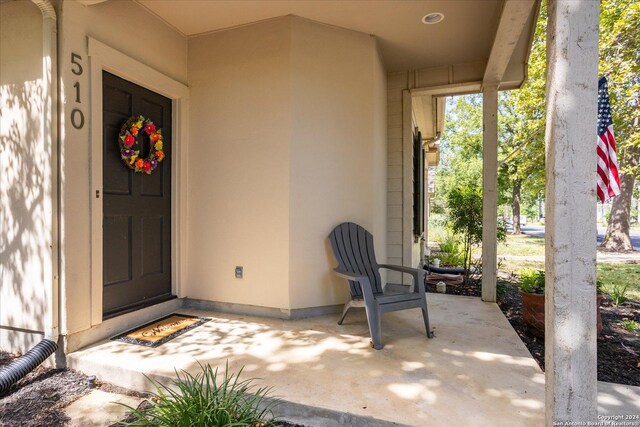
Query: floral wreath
[128, 137]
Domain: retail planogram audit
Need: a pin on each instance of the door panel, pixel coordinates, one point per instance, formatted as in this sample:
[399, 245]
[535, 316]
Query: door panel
[136, 206]
[117, 237]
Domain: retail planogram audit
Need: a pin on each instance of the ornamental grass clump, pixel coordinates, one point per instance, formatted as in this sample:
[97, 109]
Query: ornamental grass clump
[451, 252]
[618, 293]
[203, 400]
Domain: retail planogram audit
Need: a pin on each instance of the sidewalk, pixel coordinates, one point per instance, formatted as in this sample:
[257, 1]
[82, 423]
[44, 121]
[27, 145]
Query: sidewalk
[602, 257]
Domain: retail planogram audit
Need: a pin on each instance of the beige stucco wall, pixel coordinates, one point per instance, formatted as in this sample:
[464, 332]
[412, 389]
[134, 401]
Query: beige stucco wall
[25, 209]
[337, 153]
[291, 119]
[287, 139]
[380, 160]
[240, 131]
[127, 27]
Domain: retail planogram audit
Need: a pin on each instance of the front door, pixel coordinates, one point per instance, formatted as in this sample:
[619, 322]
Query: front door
[136, 206]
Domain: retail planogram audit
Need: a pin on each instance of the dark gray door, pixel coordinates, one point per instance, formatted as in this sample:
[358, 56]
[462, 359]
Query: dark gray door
[137, 206]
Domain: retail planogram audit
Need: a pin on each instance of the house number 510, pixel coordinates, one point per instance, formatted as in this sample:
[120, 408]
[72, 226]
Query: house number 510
[77, 116]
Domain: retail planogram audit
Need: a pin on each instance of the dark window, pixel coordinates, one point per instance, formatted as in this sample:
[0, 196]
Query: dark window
[418, 185]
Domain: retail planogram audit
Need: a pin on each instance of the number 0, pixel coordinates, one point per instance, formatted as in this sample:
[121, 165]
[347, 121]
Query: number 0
[77, 118]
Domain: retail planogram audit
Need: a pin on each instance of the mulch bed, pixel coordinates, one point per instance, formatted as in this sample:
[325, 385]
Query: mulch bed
[39, 399]
[618, 349]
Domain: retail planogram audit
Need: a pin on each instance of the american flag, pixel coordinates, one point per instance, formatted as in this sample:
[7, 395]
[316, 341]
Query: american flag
[608, 179]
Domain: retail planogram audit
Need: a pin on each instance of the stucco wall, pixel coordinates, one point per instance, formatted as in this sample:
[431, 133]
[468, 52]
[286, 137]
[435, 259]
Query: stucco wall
[291, 119]
[287, 139]
[337, 152]
[380, 159]
[25, 215]
[239, 173]
[129, 28]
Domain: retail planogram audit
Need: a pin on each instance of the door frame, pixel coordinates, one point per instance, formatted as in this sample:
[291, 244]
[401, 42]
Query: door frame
[103, 57]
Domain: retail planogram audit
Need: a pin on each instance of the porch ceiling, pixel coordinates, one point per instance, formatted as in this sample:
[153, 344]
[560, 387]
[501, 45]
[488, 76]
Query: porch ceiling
[466, 34]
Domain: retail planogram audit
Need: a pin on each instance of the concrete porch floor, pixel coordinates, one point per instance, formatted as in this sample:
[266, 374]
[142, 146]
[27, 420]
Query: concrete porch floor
[475, 372]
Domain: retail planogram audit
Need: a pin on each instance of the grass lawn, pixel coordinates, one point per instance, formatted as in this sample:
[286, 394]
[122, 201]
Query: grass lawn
[620, 274]
[522, 245]
[610, 273]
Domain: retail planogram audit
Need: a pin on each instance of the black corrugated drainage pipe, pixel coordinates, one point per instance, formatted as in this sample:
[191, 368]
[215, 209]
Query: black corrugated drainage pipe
[20, 367]
[444, 270]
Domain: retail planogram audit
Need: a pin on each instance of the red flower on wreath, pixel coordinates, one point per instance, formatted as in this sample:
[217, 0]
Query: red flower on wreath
[150, 128]
[146, 166]
[129, 140]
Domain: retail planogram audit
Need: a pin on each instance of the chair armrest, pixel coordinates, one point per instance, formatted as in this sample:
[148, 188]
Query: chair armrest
[403, 269]
[417, 273]
[357, 277]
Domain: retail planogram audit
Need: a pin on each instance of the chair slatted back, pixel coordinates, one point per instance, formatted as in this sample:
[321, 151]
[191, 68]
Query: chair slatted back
[353, 248]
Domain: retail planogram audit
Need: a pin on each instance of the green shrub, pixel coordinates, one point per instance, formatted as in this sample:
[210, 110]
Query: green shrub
[501, 290]
[630, 325]
[198, 400]
[618, 293]
[532, 281]
[451, 252]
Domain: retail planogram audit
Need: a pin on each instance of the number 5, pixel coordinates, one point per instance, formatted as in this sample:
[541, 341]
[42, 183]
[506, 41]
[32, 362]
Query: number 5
[74, 61]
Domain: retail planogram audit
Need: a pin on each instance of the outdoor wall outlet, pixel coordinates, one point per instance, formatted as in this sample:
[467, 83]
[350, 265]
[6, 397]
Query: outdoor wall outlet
[239, 271]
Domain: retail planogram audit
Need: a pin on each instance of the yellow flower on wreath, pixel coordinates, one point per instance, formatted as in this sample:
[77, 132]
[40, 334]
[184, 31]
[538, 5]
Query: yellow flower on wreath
[139, 124]
[158, 145]
[132, 159]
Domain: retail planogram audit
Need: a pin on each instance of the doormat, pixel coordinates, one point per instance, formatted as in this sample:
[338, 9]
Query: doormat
[160, 331]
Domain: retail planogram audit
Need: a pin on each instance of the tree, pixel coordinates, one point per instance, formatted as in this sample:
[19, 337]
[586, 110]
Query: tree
[620, 61]
[464, 203]
[523, 114]
[465, 217]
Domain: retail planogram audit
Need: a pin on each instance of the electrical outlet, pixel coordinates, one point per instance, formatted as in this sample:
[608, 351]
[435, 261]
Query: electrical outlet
[239, 271]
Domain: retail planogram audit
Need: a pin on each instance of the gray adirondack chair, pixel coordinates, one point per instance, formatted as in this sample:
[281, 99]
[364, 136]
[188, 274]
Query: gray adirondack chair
[353, 248]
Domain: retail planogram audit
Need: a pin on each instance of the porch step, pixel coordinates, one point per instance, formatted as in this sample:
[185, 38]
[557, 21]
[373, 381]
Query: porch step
[312, 416]
[327, 374]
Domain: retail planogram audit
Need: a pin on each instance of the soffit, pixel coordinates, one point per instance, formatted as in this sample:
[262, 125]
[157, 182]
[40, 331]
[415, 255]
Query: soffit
[465, 35]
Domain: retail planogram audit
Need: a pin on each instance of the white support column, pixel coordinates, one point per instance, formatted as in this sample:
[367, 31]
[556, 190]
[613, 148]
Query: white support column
[570, 304]
[489, 191]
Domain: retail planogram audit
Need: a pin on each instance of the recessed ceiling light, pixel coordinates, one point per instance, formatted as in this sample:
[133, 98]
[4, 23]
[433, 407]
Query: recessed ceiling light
[432, 18]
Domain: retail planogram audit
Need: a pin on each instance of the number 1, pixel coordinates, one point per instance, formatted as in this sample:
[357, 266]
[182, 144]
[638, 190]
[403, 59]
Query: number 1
[77, 86]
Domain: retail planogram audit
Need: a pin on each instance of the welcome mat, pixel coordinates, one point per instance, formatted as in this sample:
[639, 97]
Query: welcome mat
[160, 331]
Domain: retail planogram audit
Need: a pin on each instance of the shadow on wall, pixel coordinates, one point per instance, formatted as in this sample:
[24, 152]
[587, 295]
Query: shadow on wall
[24, 225]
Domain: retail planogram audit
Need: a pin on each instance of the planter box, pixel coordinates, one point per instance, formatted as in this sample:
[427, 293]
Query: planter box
[533, 313]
